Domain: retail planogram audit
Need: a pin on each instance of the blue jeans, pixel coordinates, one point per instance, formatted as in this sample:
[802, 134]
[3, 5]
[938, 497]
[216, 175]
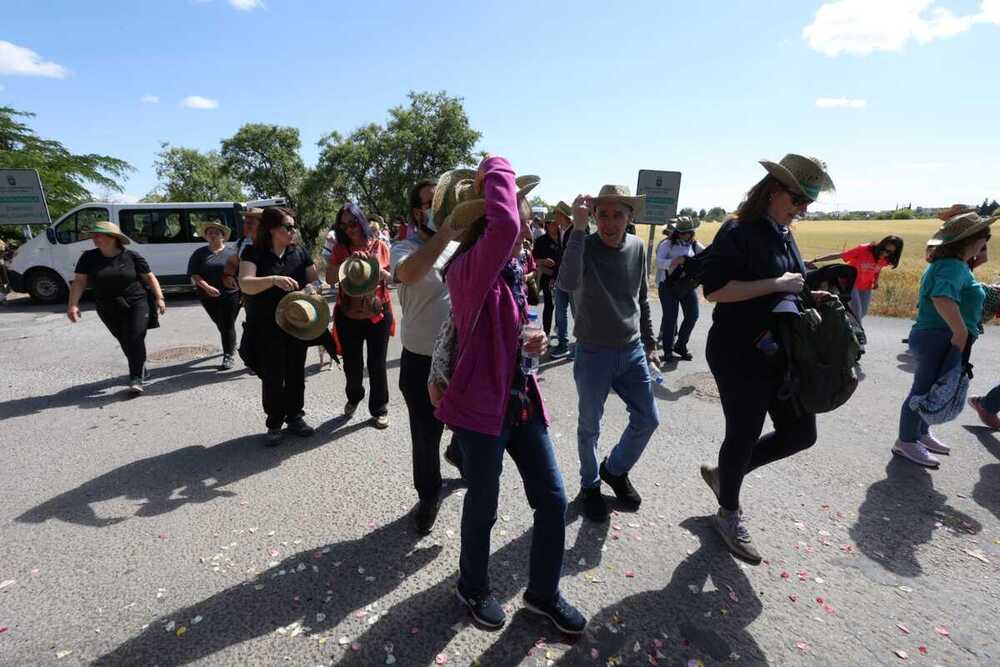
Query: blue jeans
[564, 301]
[482, 461]
[597, 370]
[992, 400]
[860, 300]
[668, 323]
[935, 356]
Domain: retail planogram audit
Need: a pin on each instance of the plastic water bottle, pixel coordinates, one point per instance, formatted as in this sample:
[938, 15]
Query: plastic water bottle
[657, 376]
[529, 362]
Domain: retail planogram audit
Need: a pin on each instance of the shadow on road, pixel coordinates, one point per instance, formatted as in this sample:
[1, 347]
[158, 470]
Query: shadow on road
[900, 513]
[317, 589]
[907, 362]
[671, 395]
[188, 475]
[987, 490]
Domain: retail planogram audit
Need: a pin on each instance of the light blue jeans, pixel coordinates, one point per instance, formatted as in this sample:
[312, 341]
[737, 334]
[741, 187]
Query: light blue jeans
[860, 301]
[597, 370]
[564, 302]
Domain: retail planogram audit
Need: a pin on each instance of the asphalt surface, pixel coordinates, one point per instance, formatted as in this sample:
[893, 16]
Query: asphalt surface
[160, 530]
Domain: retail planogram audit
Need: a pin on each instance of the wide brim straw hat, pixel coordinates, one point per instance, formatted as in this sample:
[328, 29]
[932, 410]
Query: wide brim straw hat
[684, 224]
[214, 224]
[621, 194]
[992, 304]
[109, 229]
[457, 202]
[359, 275]
[960, 227]
[802, 174]
[304, 316]
[563, 208]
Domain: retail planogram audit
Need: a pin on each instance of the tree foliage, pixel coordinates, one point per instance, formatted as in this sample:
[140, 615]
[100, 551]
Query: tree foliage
[716, 214]
[265, 159]
[67, 177]
[187, 174]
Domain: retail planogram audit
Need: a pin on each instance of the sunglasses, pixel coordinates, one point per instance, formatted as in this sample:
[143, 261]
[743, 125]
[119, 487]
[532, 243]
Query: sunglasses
[797, 199]
[287, 227]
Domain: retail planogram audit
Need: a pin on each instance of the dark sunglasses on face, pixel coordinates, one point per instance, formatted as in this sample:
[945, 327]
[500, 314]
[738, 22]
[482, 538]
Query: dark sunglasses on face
[797, 199]
[287, 227]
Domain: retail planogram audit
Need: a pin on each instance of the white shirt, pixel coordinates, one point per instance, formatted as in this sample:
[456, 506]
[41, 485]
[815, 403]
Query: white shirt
[425, 303]
[666, 252]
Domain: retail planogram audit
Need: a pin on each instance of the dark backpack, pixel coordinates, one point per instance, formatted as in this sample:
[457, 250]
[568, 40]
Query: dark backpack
[688, 275]
[822, 354]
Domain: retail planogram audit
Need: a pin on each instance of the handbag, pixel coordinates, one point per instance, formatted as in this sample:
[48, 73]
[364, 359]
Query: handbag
[945, 399]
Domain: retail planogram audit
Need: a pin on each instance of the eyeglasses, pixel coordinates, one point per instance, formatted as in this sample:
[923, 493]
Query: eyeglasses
[287, 227]
[797, 199]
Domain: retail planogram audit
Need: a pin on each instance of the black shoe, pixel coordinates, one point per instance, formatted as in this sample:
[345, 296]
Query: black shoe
[595, 507]
[298, 426]
[682, 352]
[485, 610]
[668, 358]
[425, 516]
[620, 484]
[227, 362]
[273, 438]
[562, 614]
[453, 457]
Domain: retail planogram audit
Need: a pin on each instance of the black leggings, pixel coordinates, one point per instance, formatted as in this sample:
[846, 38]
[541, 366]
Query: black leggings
[223, 311]
[281, 361]
[129, 329]
[354, 336]
[550, 305]
[748, 389]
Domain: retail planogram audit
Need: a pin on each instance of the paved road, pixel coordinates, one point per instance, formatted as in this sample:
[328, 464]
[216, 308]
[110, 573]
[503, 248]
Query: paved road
[159, 530]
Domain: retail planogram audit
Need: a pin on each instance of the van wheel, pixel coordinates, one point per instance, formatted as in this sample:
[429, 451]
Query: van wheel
[46, 286]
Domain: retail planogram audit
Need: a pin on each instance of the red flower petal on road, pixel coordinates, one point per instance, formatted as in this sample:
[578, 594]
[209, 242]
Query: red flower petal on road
[802, 646]
[922, 649]
[629, 573]
[941, 630]
[793, 597]
[440, 659]
[784, 574]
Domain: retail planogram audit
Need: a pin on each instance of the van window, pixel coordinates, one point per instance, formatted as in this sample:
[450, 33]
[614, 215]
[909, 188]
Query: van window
[201, 216]
[153, 226]
[77, 226]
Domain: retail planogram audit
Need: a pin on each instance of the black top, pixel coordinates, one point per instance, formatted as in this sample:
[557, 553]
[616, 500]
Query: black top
[547, 248]
[210, 266]
[113, 277]
[748, 251]
[293, 263]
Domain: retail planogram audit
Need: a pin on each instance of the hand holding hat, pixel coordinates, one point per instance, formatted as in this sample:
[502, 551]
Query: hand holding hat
[582, 207]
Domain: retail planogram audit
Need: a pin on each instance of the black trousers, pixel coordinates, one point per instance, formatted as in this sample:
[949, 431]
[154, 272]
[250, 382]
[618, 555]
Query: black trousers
[281, 364]
[354, 336]
[128, 326]
[223, 311]
[550, 305]
[748, 388]
[425, 429]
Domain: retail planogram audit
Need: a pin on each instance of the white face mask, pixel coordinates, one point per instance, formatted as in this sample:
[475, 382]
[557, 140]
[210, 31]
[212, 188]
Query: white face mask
[429, 219]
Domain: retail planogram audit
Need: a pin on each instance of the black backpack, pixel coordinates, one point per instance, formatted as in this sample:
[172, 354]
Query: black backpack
[688, 275]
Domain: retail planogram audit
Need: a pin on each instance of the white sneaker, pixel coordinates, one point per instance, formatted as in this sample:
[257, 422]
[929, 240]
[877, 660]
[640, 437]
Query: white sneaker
[135, 386]
[934, 445]
[916, 452]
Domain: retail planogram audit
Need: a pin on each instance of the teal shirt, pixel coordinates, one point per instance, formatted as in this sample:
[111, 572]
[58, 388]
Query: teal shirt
[951, 278]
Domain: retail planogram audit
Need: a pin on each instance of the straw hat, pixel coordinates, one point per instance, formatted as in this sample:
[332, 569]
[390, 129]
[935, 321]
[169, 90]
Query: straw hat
[214, 224]
[109, 229]
[684, 224]
[253, 213]
[304, 316]
[804, 175]
[620, 194]
[563, 208]
[991, 307]
[359, 276]
[456, 199]
[960, 227]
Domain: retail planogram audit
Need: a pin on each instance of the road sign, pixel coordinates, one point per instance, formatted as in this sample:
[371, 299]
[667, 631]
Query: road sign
[661, 189]
[22, 201]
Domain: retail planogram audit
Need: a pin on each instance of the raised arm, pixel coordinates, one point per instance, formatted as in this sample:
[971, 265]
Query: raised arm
[571, 266]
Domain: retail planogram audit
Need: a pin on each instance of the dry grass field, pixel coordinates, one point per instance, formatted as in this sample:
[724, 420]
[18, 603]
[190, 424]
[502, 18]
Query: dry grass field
[898, 288]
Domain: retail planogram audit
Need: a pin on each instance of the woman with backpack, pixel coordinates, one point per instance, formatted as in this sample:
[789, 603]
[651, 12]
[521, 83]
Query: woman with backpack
[868, 259]
[754, 273]
[671, 254]
[949, 312]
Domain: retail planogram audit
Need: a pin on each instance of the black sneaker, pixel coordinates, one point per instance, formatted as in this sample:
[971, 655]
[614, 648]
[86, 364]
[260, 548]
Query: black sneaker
[425, 516]
[454, 457]
[227, 362]
[485, 610]
[298, 426]
[682, 352]
[273, 437]
[562, 614]
[595, 507]
[620, 484]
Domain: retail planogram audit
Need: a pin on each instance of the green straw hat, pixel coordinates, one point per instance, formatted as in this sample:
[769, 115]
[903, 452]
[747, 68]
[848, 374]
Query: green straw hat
[109, 229]
[805, 175]
[304, 316]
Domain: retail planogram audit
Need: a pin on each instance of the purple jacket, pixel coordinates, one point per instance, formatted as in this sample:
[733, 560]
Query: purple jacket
[479, 390]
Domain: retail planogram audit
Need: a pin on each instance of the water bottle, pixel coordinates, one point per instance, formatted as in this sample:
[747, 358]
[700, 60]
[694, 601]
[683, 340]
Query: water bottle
[654, 371]
[529, 363]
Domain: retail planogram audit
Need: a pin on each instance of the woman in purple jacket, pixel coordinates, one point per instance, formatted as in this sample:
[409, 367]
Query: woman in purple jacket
[490, 404]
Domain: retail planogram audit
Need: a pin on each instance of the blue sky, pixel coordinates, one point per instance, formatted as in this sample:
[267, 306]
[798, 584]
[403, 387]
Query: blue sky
[899, 97]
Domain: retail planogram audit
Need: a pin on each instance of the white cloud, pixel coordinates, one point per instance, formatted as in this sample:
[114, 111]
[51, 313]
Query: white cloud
[199, 102]
[840, 103]
[246, 5]
[18, 61]
[859, 27]
[149, 99]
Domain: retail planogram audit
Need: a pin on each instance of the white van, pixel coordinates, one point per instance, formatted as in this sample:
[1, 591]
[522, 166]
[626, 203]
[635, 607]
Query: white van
[165, 234]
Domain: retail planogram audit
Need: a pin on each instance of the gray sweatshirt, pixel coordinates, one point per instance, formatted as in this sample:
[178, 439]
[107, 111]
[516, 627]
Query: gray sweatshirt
[609, 290]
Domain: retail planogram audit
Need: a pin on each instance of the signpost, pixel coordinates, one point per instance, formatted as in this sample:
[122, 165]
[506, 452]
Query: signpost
[22, 201]
[661, 189]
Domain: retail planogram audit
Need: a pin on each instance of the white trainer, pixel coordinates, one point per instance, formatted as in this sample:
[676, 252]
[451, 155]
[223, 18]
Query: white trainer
[916, 452]
[934, 445]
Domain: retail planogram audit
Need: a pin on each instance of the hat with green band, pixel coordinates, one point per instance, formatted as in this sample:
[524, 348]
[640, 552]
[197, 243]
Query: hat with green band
[108, 229]
[960, 227]
[803, 175]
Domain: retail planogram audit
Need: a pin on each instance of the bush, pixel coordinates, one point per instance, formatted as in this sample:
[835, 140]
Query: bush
[902, 214]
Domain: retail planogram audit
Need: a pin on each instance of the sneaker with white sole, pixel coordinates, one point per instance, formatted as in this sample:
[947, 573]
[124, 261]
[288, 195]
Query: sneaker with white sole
[380, 421]
[916, 452]
[734, 533]
[934, 445]
[135, 386]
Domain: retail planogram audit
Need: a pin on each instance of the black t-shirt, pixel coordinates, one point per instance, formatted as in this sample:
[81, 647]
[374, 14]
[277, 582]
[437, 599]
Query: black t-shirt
[548, 248]
[293, 263]
[210, 266]
[112, 277]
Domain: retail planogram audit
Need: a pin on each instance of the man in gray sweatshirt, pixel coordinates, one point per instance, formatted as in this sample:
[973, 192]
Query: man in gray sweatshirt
[606, 273]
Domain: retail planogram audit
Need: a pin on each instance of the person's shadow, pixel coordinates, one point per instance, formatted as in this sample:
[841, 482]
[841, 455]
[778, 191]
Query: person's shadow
[688, 610]
[437, 615]
[671, 395]
[987, 490]
[316, 589]
[907, 362]
[168, 481]
[900, 513]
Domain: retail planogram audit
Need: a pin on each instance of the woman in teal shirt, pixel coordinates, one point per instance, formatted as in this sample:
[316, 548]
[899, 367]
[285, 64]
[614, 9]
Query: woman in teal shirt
[949, 311]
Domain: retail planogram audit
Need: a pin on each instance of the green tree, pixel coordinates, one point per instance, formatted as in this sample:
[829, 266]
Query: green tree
[902, 214]
[265, 159]
[702, 214]
[716, 213]
[66, 177]
[689, 212]
[538, 201]
[187, 174]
